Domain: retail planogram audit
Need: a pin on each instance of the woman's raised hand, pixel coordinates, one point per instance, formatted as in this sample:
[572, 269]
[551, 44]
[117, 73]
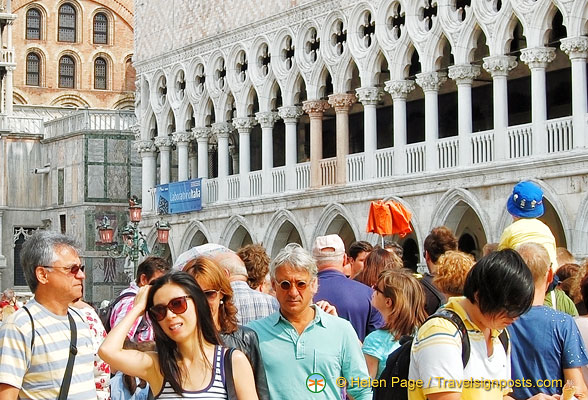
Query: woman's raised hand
[141, 298]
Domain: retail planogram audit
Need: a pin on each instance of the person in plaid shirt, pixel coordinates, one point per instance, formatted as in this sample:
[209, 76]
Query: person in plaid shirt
[150, 269]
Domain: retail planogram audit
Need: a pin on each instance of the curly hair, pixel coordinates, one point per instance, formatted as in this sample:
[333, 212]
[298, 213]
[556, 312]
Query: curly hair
[207, 271]
[440, 240]
[257, 263]
[452, 270]
[407, 296]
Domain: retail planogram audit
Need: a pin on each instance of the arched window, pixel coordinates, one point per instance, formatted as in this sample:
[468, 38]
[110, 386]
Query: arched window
[33, 24]
[67, 72]
[100, 73]
[67, 23]
[100, 29]
[33, 69]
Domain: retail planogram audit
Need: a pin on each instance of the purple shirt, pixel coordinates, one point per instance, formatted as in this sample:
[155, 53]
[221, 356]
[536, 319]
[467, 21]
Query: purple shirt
[352, 300]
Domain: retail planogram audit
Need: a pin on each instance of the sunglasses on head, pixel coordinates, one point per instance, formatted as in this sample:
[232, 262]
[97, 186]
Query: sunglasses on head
[177, 305]
[74, 269]
[377, 289]
[286, 285]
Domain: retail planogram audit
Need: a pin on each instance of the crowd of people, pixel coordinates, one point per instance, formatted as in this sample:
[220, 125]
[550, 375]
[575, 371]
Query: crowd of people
[329, 323]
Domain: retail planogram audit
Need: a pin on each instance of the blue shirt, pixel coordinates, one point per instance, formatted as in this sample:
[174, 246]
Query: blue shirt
[252, 304]
[352, 299]
[544, 342]
[380, 344]
[327, 346]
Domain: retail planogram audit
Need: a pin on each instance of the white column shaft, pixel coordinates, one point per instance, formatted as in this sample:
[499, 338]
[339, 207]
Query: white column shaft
[183, 167]
[202, 159]
[539, 110]
[267, 159]
[500, 105]
[431, 129]
[244, 161]
[370, 140]
[164, 165]
[148, 172]
[399, 135]
[9, 91]
[223, 156]
[579, 105]
[291, 155]
[464, 111]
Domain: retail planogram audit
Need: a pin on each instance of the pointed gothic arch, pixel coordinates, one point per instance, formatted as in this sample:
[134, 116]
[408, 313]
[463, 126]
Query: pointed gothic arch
[283, 228]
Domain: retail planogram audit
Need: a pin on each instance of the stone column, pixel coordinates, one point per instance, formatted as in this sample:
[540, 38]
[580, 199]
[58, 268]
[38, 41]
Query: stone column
[315, 110]
[399, 91]
[244, 126]
[147, 151]
[577, 49]
[537, 59]
[369, 97]
[498, 67]
[290, 115]
[267, 119]
[430, 82]
[202, 135]
[164, 144]
[9, 90]
[464, 75]
[222, 131]
[342, 103]
[182, 139]
[193, 159]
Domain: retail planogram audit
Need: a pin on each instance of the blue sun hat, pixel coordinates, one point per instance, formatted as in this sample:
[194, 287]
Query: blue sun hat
[526, 200]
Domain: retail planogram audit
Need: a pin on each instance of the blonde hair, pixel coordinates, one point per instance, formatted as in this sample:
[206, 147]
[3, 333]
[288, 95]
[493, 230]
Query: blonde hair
[452, 269]
[406, 293]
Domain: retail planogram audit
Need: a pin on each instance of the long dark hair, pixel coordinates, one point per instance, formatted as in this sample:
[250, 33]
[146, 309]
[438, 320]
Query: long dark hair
[167, 349]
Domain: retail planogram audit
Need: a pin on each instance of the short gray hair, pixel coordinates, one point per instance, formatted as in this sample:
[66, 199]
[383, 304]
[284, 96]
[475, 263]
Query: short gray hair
[231, 262]
[296, 257]
[39, 249]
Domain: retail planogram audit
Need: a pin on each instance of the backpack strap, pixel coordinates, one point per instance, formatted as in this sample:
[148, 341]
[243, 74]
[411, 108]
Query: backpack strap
[505, 340]
[454, 318]
[32, 328]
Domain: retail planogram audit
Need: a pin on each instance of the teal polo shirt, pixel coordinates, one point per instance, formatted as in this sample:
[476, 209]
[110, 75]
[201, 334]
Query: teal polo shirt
[328, 346]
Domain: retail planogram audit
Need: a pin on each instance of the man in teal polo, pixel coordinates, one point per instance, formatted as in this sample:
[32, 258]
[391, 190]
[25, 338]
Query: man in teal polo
[306, 352]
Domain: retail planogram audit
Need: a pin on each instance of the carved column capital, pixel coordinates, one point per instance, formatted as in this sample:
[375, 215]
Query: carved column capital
[145, 147]
[576, 47]
[315, 108]
[244, 123]
[182, 137]
[163, 142]
[399, 89]
[342, 102]
[538, 57]
[369, 95]
[431, 81]
[290, 113]
[267, 119]
[499, 65]
[222, 130]
[464, 74]
[201, 133]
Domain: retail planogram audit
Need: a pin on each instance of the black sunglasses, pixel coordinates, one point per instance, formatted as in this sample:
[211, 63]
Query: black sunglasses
[377, 289]
[286, 285]
[177, 305]
[74, 269]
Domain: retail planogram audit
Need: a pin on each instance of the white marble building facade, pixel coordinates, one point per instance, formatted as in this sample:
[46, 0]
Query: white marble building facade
[299, 114]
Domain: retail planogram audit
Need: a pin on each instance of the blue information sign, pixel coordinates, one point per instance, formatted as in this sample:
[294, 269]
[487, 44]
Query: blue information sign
[179, 197]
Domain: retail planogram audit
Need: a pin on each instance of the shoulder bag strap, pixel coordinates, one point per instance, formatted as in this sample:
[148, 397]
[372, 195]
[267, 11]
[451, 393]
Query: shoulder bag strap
[73, 350]
[32, 328]
[453, 317]
[229, 381]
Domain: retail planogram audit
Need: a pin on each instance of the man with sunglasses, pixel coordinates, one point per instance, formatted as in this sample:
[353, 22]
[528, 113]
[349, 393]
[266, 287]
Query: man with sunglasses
[304, 349]
[37, 341]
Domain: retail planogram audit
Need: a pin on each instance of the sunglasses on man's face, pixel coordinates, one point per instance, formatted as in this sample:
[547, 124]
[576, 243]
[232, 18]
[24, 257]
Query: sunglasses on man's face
[286, 285]
[74, 269]
[177, 305]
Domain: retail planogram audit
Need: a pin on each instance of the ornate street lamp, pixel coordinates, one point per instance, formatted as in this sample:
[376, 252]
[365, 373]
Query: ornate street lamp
[134, 242]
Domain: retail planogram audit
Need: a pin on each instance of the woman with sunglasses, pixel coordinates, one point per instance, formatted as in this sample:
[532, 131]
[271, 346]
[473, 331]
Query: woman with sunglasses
[217, 288]
[189, 362]
[399, 297]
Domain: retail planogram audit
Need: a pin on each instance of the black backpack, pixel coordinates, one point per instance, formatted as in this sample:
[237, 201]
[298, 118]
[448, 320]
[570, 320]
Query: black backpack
[397, 365]
[106, 312]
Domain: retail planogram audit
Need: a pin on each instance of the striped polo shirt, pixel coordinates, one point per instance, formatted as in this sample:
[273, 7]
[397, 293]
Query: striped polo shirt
[39, 374]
